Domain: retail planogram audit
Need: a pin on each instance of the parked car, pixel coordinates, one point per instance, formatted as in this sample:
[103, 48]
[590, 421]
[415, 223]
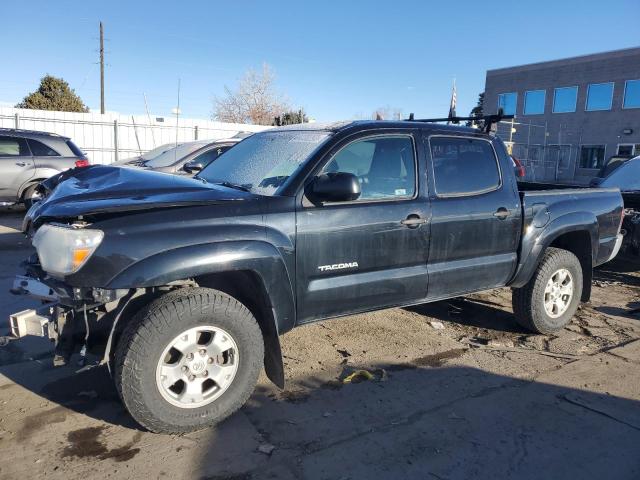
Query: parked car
[183, 285]
[612, 164]
[139, 160]
[518, 167]
[29, 157]
[626, 177]
[185, 158]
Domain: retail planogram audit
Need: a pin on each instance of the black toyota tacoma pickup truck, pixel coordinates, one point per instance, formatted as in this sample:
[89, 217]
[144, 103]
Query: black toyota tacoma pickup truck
[183, 285]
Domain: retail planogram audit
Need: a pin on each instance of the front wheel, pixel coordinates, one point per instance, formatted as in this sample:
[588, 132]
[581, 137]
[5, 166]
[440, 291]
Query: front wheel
[548, 302]
[188, 360]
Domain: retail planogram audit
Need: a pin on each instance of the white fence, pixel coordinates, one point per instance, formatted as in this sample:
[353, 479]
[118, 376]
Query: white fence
[109, 137]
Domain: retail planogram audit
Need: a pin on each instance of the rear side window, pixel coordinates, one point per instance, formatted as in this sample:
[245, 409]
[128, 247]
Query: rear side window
[74, 149]
[463, 166]
[13, 147]
[385, 166]
[39, 149]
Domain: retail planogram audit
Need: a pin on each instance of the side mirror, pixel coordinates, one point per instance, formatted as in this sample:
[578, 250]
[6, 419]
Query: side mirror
[335, 187]
[191, 167]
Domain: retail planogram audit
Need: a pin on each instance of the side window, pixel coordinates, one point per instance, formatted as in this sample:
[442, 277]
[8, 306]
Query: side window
[385, 166]
[207, 157]
[463, 166]
[13, 147]
[39, 149]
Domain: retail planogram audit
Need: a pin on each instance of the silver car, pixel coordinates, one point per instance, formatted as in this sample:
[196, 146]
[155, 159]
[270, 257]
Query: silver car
[185, 158]
[29, 157]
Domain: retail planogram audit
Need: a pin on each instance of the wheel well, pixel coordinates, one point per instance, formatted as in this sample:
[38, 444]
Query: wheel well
[26, 186]
[247, 287]
[579, 243]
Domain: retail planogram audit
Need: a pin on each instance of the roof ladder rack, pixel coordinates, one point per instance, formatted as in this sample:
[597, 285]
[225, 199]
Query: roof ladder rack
[489, 120]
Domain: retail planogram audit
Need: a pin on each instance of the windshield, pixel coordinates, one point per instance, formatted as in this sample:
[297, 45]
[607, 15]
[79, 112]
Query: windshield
[174, 154]
[626, 177]
[263, 162]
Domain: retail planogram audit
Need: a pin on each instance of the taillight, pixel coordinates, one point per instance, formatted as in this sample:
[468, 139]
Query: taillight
[82, 163]
[520, 171]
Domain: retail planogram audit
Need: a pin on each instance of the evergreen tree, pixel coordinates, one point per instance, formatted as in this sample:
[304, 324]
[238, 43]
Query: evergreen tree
[477, 111]
[53, 94]
[291, 118]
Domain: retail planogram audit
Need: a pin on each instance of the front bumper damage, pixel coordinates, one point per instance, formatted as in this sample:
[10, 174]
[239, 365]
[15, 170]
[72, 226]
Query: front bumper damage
[73, 318]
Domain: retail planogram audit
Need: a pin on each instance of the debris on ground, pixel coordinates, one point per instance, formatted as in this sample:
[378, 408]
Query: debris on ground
[266, 448]
[437, 325]
[378, 375]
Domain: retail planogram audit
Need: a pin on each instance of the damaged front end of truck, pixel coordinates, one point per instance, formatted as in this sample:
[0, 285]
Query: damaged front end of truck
[78, 311]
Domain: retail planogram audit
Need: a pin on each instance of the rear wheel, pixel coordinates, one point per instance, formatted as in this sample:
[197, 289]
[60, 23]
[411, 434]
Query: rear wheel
[188, 360]
[548, 302]
[31, 196]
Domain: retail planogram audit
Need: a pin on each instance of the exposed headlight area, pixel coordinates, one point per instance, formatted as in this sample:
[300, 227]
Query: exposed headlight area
[63, 249]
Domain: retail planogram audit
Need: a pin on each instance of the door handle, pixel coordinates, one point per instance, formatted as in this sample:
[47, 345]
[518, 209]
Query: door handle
[21, 164]
[501, 213]
[413, 221]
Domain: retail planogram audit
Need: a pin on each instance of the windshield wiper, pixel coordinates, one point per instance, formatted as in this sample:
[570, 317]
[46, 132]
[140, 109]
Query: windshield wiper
[233, 185]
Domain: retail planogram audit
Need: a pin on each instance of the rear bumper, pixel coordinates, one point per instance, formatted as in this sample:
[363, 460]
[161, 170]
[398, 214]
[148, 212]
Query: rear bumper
[616, 247]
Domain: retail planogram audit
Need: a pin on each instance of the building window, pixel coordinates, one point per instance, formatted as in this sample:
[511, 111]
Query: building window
[508, 102]
[534, 102]
[599, 96]
[592, 156]
[564, 99]
[631, 94]
[628, 149]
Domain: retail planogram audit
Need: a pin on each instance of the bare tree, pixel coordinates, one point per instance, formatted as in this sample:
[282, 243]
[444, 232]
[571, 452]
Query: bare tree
[254, 101]
[387, 113]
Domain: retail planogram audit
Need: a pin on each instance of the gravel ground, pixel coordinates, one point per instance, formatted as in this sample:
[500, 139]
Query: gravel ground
[457, 390]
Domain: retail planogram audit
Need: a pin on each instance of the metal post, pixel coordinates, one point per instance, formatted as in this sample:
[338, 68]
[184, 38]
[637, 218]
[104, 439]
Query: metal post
[17, 121]
[115, 139]
[102, 70]
[195, 133]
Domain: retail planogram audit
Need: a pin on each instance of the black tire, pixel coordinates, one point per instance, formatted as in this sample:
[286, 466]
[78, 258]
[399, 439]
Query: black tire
[147, 334]
[27, 196]
[528, 301]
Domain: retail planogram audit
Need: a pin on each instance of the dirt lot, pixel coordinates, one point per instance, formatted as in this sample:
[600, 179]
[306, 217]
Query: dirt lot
[457, 391]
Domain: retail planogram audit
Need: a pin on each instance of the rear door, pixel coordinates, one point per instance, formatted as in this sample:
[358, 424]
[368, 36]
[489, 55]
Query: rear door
[51, 158]
[16, 166]
[372, 252]
[475, 225]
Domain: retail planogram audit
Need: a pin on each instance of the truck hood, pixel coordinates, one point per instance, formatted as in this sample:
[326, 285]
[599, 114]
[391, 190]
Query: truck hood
[107, 189]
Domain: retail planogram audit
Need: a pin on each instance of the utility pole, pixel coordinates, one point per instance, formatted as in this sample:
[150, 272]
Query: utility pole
[101, 69]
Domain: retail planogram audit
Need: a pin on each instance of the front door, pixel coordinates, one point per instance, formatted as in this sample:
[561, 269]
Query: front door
[475, 227]
[372, 252]
[16, 166]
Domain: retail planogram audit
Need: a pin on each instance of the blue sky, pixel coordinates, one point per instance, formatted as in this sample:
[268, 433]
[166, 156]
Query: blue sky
[336, 59]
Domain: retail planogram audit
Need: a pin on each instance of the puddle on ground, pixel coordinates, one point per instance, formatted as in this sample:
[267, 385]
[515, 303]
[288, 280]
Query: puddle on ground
[86, 442]
[34, 423]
